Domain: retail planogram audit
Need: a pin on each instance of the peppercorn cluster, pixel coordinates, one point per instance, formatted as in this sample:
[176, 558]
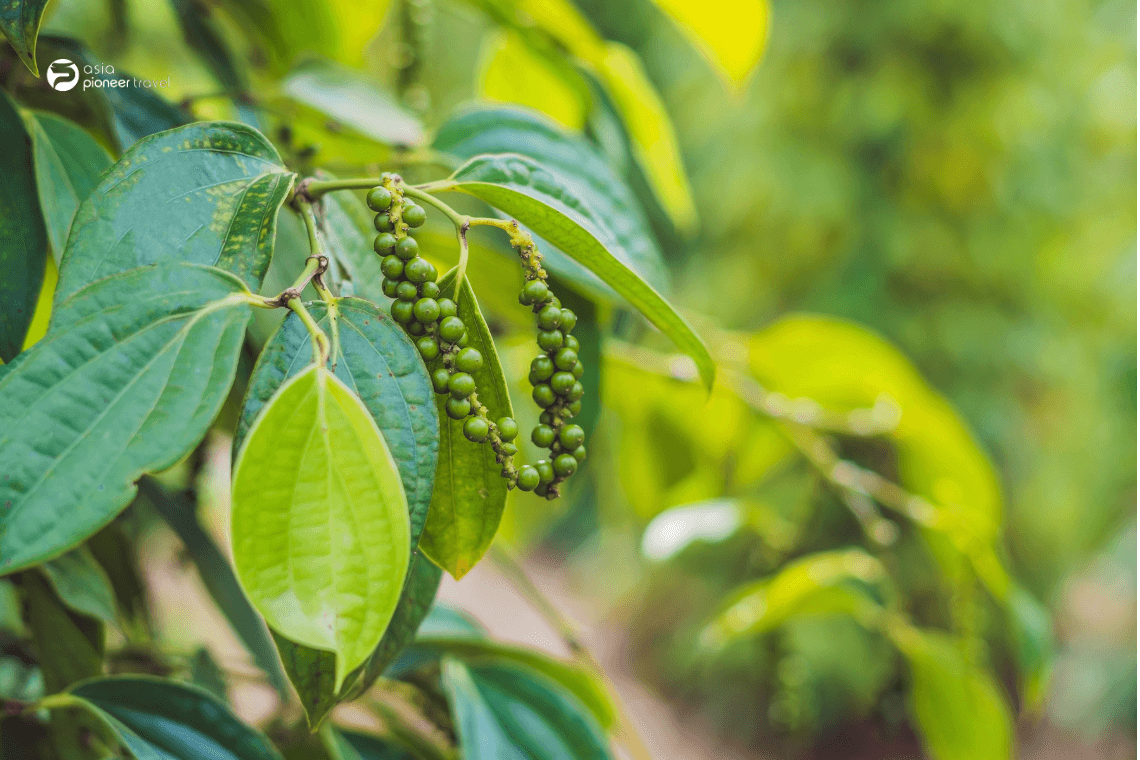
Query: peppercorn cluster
[442, 339]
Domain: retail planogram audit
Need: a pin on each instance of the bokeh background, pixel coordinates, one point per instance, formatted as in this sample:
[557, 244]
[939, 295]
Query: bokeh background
[959, 178]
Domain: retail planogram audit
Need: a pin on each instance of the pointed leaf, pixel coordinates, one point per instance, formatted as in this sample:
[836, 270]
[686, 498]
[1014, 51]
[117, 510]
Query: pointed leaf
[470, 494]
[550, 204]
[20, 22]
[733, 48]
[320, 520]
[128, 382]
[207, 193]
[82, 585]
[503, 712]
[23, 237]
[69, 647]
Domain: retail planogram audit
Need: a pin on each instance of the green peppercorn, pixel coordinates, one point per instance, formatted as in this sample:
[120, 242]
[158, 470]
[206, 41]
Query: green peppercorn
[565, 465]
[543, 395]
[402, 312]
[389, 287]
[418, 270]
[379, 198]
[570, 342]
[528, 478]
[461, 385]
[392, 268]
[577, 392]
[509, 449]
[534, 291]
[415, 328]
[407, 248]
[534, 379]
[571, 436]
[553, 301]
[451, 329]
[545, 471]
[428, 346]
[384, 244]
[546, 418]
[574, 409]
[447, 307]
[542, 489]
[439, 378]
[383, 223]
[579, 370]
[569, 319]
[430, 289]
[548, 340]
[426, 310]
[542, 436]
[549, 318]
[508, 428]
[433, 273]
[579, 454]
[542, 367]
[414, 216]
[475, 429]
[562, 382]
[406, 291]
[565, 358]
[457, 408]
[464, 340]
[469, 360]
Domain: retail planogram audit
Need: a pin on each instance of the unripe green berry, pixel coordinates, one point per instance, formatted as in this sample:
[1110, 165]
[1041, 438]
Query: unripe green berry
[389, 287]
[428, 346]
[562, 382]
[553, 301]
[461, 385]
[426, 310]
[457, 408]
[509, 449]
[508, 428]
[570, 342]
[545, 471]
[475, 429]
[565, 358]
[451, 329]
[565, 465]
[546, 418]
[469, 360]
[549, 318]
[528, 478]
[548, 340]
[383, 223]
[430, 289]
[414, 216]
[392, 267]
[534, 379]
[574, 409]
[417, 270]
[542, 436]
[534, 291]
[571, 437]
[543, 395]
[384, 244]
[579, 370]
[543, 489]
[577, 392]
[439, 378]
[407, 248]
[542, 367]
[407, 291]
[464, 340]
[569, 319]
[415, 328]
[402, 312]
[379, 198]
[579, 454]
[447, 307]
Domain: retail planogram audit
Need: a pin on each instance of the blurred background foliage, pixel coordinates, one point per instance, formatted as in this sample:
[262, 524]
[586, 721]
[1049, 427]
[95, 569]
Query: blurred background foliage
[957, 178]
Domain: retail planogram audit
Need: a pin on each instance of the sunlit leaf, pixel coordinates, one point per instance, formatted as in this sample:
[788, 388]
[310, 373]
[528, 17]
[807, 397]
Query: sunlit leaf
[321, 542]
[511, 72]
[20, 22]
[730, 33]
[41, 318]
[670, 532]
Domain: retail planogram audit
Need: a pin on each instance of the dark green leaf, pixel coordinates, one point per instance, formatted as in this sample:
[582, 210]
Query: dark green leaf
[506, 711]
[23, 237]
[69, 647]
[346, 226]
[217, 575]
[204, 36]
[171, 721]
[206, 674]
[138, 112]
[116, 554]
[207, 193]
[549, 204]
[367, 747]
[470, 494]
[69, 163]
[82, 585]
[20, 22]
[596, 185]
[134, 373]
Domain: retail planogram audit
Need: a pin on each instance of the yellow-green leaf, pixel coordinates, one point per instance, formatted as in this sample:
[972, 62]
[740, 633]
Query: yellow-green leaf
[321, 536]
[730, 33]
[512, 72]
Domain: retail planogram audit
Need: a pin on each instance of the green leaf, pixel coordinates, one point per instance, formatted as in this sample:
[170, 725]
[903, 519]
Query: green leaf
[217, 575]
[82, 585]
[69, 163]
[206, 674]
[20, 22]
[207, 193]
[345, 224]
[321, 543]
[503, 712]
[135, 370]
[470, 494]
[733, 48]
[364, 747]
[595, 184]
[545, 202]
[512, 72]
[165, 720]
[821, 584]
[205, 37]
[116, 554]
[69, 647]
[1033, 642]
[957, 708]
[23, 238]
[353, 100]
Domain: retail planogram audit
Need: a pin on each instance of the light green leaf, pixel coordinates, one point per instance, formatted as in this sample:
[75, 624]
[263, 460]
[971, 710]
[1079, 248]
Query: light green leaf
[353, 100]
[733, 47]
[595, 183]
[69, 163]
[470, 494]
[321, 542]
[135, 370]
[508, 712]
[511, 72]
[957, 708]
[821, 584]
[23, 238]
[549, 204]
[207, 193]
[165, 720]
[82, 585]
[69, 647]
[20, 22]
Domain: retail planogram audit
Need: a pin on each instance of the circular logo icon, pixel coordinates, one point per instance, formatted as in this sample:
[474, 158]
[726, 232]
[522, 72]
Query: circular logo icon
[62, 75]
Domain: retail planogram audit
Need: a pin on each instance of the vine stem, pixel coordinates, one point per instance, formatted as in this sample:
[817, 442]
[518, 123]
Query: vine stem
[310, 218]
[320, 340]
[514, 573]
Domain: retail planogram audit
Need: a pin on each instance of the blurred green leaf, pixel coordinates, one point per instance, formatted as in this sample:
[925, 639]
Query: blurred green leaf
[730, 33]
[345, 224]
[958, 709]
[512, 72]
[206, 674]
[1031, 629]
[205, 37]
[352, 745]
[82, 585]
[20, 22]
[113, 550]
[69, 647]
